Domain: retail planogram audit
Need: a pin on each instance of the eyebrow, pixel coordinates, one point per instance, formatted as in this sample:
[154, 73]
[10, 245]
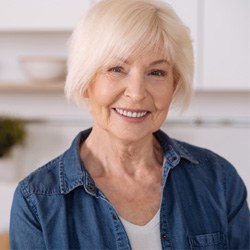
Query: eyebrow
[160, 61]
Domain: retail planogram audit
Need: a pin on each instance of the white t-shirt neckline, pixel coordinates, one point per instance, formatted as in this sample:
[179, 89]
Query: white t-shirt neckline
[146, 237]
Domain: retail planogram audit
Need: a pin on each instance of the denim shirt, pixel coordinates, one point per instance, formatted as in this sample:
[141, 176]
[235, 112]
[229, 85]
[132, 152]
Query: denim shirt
[203, 204]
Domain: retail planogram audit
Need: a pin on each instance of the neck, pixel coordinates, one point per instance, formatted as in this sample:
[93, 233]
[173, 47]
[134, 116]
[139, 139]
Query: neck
[114, 156]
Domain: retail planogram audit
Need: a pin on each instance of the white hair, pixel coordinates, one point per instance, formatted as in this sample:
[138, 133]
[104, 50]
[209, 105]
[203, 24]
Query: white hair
[118, 28]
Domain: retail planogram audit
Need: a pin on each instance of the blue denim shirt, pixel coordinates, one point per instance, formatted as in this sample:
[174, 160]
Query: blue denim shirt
[203, 204]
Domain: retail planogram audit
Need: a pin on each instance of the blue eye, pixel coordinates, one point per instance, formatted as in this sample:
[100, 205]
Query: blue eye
[158, 73]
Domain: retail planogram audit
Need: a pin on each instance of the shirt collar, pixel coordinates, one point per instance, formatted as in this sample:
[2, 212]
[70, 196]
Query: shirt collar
[72, 172]
[173, 150]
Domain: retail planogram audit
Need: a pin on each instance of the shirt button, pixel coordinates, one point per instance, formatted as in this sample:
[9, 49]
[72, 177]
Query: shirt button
[174, 158]
[164, 236]
[114, 216]
[91, 189]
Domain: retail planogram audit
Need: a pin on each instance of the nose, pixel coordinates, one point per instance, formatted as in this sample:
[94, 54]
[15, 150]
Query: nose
[136, 88]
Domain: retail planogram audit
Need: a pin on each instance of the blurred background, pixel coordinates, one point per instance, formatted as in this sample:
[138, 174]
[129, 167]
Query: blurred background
[33, 50]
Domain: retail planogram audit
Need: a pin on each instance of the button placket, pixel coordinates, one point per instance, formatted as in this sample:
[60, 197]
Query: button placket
[121, 236]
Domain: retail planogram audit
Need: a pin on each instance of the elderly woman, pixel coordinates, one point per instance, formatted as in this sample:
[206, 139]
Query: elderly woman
[124, 184]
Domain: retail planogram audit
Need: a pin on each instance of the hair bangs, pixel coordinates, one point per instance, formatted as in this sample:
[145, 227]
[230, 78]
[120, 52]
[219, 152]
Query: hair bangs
[136, 38]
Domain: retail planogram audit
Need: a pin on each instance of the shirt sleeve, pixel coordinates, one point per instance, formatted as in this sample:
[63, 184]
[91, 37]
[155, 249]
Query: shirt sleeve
[25, 229]
[238, 211]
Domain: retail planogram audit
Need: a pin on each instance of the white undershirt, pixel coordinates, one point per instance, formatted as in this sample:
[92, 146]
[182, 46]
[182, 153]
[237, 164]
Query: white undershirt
[145, 237]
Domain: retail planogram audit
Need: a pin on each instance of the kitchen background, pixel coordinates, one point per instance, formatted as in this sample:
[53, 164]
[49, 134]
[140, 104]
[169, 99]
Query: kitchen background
[219, 115]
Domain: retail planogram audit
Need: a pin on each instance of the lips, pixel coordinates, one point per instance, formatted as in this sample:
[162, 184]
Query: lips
[130, 113]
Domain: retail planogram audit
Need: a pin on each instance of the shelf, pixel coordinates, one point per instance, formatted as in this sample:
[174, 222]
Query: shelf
[222, 89]
[31, 87]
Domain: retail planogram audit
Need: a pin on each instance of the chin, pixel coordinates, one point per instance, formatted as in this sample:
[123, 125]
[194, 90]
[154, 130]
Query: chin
[132, 135]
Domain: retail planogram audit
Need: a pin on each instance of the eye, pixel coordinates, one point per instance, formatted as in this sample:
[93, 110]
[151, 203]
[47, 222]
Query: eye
[116, 69]
[158, 73]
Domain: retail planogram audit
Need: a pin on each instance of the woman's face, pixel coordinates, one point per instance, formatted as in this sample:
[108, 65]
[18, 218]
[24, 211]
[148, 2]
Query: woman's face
[130, 99]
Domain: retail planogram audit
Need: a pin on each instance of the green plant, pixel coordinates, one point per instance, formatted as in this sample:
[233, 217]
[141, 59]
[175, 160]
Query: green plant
[12, 132]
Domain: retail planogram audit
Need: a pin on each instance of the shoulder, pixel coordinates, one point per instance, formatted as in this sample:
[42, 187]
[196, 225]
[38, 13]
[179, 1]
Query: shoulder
[206, 158]
[211, 171]
[45, 180]
[197, 159]
[194, 154]
[213, 166]
[58, 176]
[201, 154]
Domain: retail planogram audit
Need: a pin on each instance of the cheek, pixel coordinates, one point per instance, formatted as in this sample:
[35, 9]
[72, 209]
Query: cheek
[163, 98]
[104, 91]
[99, 94]
[163, 104]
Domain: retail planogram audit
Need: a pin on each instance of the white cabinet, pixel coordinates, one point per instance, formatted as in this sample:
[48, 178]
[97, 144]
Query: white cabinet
[41, 15]
[221, 33]
[226, 45]
[188, 12]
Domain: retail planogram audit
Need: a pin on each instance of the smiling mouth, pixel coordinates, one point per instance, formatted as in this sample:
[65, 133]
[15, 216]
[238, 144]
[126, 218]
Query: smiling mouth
[132, 114]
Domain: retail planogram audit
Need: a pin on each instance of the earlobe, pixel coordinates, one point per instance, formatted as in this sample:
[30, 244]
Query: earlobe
[85, 94]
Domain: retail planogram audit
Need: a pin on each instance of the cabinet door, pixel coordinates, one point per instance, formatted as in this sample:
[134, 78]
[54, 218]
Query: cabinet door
[226, 50]
[41, 15]
[188, 12]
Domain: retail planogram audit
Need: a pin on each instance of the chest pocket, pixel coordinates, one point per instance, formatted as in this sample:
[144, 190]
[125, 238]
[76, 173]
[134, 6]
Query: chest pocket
[208, 241]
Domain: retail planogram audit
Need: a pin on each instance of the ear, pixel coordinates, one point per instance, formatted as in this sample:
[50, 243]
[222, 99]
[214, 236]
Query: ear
[86, 93]
[176, 78]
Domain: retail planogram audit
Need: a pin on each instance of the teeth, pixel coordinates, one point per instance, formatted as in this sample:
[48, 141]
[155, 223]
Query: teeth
[130, 113]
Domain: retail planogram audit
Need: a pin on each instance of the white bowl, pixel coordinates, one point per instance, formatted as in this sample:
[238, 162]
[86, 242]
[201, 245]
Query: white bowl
[43, 69]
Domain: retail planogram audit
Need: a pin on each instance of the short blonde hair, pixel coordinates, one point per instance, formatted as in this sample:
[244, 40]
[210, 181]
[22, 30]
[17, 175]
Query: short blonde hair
[119, 28]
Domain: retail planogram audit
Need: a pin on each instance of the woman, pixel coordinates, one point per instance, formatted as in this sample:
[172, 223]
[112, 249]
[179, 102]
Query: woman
[124, 183]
